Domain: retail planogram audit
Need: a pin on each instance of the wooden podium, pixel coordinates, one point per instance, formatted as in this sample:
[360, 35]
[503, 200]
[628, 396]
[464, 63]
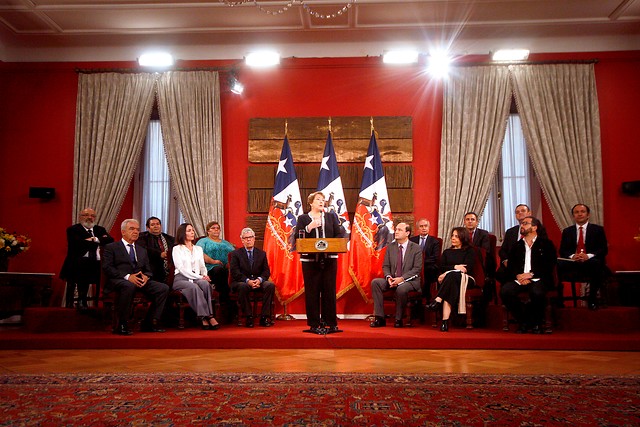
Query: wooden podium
[332, 245]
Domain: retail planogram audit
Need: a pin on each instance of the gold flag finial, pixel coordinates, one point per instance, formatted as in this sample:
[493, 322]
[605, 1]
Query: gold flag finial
[371, 124]
[286, 125]
[329, 124]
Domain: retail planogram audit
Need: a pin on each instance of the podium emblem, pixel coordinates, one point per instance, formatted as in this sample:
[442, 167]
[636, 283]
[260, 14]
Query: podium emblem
[321, 245]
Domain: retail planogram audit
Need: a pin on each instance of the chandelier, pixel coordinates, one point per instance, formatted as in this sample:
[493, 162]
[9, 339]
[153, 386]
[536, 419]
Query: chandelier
[288, 6]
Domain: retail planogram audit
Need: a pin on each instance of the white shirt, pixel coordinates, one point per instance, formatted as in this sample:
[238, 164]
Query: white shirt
[189, 263]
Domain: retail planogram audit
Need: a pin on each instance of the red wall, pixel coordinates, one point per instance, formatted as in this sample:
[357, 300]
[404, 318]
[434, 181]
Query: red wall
[37, 122]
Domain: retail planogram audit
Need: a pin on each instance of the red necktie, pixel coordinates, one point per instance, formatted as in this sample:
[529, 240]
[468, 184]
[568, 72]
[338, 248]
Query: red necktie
[399, 263]
[580, 247]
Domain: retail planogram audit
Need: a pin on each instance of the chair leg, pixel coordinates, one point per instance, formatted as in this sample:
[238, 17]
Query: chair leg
[181, 305]
[469, 314]
[505, 318]
[574, 294]
[548, 317]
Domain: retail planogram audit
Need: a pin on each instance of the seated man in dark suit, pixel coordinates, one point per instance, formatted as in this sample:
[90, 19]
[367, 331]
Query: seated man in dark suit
[127, 268]
[479, 237]
[530, 269]
[250, 270]
[401, 267]
[159, 246]
[586, 245]
[431, 251]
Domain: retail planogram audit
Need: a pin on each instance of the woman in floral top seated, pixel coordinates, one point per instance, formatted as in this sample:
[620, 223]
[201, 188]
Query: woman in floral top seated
[216, 251]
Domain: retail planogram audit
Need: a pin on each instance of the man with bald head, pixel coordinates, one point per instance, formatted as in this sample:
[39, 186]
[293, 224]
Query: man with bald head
[81, 266]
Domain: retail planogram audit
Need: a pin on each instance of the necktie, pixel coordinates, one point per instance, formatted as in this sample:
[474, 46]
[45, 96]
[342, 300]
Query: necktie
[423, 240]
[399, 262]
[580, 247]
[132, 255]
[162, 244]
[250, 253]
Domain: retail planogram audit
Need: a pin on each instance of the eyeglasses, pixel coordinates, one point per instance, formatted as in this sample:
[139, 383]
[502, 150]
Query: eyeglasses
[525, 223]
[248, 237]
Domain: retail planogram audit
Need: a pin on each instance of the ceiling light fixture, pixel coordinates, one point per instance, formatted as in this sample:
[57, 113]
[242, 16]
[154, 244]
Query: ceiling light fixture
[155, 59]
[342, 10]
[235, 86]
[510, 55]
[406, 56]
[262, 59]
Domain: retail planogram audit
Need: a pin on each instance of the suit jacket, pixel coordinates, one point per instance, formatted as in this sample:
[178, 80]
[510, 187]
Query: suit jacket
[150, 243]
[116, 263]
[595, 242]
[241, 270]
[78, 246]
[543, 261]
[332, 228]
[411, 261]
[481, 240]
[431, 253]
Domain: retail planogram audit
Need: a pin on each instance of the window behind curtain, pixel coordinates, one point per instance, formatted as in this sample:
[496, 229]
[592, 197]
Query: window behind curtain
[512, 184]
[153, 193]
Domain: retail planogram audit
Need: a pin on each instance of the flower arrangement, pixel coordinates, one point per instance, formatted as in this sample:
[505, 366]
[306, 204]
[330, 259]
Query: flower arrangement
[12, 244]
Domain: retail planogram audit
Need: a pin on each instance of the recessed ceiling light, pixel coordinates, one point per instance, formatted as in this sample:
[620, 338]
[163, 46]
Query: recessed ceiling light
[262, 58]
[406, 56]
[510, 55]
[155, 59]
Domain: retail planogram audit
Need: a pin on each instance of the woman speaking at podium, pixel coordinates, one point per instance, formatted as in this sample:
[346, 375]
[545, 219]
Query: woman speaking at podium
[319, 269]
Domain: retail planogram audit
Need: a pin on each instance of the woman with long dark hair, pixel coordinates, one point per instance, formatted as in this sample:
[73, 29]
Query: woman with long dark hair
[456, 266]
[191, 277]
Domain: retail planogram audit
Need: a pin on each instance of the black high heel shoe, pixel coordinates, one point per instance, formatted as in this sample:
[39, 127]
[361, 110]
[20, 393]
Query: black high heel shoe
[434, 305]
[445, 326]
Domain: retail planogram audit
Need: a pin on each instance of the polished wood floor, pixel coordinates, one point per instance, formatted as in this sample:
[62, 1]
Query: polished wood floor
[362, 361]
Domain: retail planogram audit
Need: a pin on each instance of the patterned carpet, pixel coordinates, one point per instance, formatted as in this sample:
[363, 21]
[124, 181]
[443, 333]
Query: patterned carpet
[318, 400]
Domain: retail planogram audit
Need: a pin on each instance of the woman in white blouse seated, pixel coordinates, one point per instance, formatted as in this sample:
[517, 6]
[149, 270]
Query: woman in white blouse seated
[191, 277]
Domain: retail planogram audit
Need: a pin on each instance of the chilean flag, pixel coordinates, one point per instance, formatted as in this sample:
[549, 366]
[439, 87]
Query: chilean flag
[330, 184]
[372, 229]
[286, 205]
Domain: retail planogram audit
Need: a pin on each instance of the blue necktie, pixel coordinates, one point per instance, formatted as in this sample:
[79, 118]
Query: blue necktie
[132, 255]
[250, 253]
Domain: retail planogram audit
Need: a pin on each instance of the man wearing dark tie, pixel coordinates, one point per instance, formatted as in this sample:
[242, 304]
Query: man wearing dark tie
[126, 265]
[431, 251]
[81, 266]
[159, 246]
[250, 271]
[586, 245]
[479, 237]
[401, 267]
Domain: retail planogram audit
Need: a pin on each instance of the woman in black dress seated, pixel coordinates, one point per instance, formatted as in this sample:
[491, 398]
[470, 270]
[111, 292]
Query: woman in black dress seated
[456, 265]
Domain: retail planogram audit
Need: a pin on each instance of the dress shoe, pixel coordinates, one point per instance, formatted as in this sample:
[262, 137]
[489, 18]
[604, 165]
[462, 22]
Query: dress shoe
[206, 327]
[593, 306]
[398, 324]
[316, 330]
[332, 330]
[265, 321]
[522, 329]
[249, 322]
[122, 329]
[378, 322]
[153, 326]
[445, 325]
[214, 327]
[434, 305]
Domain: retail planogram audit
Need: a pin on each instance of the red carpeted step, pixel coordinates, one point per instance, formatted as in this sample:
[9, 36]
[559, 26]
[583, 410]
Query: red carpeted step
[55, 319]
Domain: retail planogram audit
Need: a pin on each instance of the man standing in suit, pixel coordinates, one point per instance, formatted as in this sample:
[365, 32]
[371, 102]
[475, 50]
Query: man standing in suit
[530, 269]
[431, 251]
[249, 271]
[401, 267]
[586, 245]
[126, 265]
[159, 246]
[479, 237]
[81, 266]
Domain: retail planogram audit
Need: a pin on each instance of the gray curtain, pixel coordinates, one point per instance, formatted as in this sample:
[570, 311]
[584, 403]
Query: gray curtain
[112, 113]
[189, 106]
[476, 108]
[558, 105]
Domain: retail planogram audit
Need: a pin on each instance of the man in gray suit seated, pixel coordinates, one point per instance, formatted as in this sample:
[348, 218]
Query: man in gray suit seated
[401, 267]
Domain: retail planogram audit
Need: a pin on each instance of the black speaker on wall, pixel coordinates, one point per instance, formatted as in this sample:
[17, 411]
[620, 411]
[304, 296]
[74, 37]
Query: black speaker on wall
[632, 188]
[45, 193]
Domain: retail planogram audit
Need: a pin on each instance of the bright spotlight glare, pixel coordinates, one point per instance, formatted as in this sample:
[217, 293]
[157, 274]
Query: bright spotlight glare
[439, 64]
[511, 55]
[237, 87]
